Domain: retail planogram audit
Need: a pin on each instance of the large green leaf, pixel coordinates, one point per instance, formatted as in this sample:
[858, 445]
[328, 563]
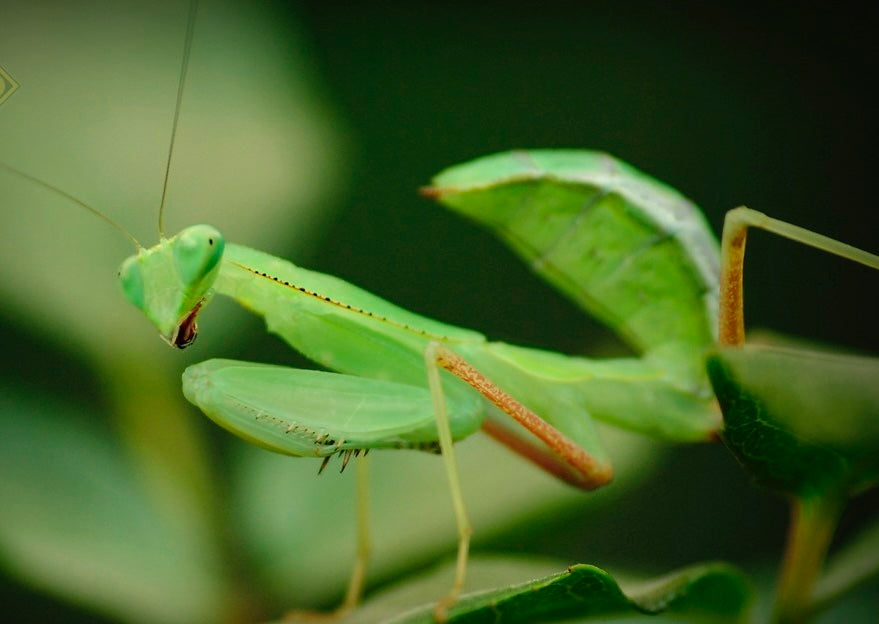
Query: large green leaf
[803, 422]
[712, 592]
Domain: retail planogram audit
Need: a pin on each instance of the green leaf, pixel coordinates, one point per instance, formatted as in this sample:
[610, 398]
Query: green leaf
[712, 592]
[803, 422]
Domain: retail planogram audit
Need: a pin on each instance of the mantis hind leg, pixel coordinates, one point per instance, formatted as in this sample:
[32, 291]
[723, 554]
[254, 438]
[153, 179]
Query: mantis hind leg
[431, 360]
[364, 549]
[732, 256]
[364, 544]
[561, 457]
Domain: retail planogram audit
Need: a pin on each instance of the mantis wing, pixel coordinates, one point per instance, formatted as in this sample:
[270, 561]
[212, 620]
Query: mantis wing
[628, 249]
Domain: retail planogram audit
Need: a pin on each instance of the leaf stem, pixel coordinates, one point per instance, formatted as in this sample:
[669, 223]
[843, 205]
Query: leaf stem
[813, 522]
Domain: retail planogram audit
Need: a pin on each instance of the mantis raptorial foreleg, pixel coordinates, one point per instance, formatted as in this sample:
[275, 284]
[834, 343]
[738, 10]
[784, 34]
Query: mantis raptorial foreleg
[732, 251]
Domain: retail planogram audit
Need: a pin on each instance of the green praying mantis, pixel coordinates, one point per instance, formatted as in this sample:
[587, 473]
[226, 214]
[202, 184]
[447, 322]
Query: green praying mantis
[628, 249]
[411, 382]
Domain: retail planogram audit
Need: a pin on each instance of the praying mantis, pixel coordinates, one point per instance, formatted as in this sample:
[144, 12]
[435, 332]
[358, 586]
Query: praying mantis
[401, 370]
[392, 393]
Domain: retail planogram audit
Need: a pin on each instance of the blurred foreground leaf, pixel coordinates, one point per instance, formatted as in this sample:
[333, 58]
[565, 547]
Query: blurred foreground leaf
[713, 592]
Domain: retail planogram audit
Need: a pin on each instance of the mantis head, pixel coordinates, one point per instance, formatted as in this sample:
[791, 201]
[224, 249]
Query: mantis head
[173, 280]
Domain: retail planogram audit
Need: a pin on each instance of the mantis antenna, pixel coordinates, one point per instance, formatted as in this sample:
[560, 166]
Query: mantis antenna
[190, 27]
[187, 46]
[75, 200]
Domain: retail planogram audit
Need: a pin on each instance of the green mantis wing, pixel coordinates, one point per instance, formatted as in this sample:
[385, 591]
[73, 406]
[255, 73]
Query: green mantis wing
[629, 250]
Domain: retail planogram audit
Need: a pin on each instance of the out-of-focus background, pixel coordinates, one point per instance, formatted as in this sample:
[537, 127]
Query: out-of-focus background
[306, 130]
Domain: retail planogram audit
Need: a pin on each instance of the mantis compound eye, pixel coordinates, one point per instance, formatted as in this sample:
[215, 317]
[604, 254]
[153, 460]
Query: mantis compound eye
[131, 279]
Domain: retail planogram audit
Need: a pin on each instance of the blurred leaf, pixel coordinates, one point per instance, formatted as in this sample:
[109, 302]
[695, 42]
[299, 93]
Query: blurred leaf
[713, 592]
[257, 154]
[77, 521]
[803, 422]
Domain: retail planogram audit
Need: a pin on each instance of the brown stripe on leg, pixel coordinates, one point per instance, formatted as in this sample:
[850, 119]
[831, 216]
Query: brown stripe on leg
[566, 460]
